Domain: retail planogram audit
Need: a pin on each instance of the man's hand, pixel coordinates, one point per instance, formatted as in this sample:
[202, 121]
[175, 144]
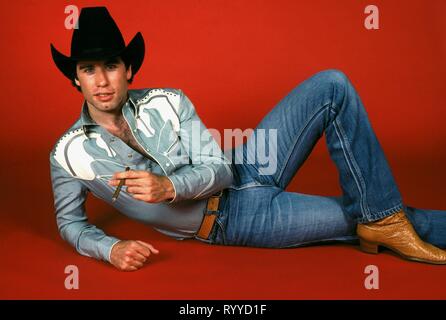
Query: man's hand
[145, 186]
[129, 255]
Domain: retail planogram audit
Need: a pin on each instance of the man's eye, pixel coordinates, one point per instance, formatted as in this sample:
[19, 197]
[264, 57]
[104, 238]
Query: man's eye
[88, 70]
[111, 66]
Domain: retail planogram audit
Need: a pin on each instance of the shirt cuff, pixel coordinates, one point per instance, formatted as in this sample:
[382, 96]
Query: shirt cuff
[174, 188]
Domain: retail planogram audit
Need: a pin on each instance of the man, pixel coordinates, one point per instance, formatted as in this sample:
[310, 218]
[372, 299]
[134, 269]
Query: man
[182, 184]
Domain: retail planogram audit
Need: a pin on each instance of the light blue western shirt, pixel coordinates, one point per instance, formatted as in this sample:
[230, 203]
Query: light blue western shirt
[177, 144]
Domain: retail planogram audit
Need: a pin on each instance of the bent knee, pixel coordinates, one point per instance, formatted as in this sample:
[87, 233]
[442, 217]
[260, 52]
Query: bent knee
[332, 76]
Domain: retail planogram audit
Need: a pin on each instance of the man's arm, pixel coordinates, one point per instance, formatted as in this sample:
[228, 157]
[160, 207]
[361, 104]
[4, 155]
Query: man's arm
[69, 202]
[210, 170]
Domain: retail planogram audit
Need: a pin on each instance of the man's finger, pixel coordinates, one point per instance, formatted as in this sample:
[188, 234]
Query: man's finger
[138, 256]
[131, 174]
[126, 174]
[130, 182]
[143, 250]
[136, 263]
[152, 249]
[131, 262]
[136, 190]
[139, 182]
[131, 268]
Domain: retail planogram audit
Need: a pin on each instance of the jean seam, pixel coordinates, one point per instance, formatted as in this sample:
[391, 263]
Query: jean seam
[353, 167]
[340, 238]
[334, 106]
[298, 138]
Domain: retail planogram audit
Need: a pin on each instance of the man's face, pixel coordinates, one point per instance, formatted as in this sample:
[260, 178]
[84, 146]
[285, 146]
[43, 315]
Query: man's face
[104, 84]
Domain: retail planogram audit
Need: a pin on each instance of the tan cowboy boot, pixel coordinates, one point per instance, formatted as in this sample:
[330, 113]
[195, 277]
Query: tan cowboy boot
[396, 233]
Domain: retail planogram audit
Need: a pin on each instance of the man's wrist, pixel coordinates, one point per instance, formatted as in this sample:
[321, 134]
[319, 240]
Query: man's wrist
[169, 189]
[111, 250]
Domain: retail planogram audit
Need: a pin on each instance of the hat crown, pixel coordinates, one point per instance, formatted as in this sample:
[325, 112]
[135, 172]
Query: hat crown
[97, 33]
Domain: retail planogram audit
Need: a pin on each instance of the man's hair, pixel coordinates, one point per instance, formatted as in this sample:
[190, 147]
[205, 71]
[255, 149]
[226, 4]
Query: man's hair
[126, 61]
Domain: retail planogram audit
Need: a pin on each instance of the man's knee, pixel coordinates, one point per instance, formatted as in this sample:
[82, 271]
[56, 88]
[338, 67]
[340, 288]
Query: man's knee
[326, 86]
[337, 84]
[332, 76]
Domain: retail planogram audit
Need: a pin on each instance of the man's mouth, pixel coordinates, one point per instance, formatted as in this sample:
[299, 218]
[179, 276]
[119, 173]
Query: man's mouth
[104, 96]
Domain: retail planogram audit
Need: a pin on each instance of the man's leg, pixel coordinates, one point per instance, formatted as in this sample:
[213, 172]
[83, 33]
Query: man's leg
[263, 216]
[429, 224]
[327, 102]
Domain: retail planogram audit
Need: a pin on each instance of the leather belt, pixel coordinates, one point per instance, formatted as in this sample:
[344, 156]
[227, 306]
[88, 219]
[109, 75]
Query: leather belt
[210, 216]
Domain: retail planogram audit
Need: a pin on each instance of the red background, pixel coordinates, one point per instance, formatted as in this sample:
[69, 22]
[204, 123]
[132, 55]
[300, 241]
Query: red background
[235, 60]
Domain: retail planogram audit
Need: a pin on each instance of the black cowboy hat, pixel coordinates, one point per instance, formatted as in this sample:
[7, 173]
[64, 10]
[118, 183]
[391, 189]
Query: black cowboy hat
[98, 38]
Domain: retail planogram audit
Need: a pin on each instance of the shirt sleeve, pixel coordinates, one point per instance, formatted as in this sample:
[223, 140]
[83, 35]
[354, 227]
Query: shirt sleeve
[70, 195]
[209, 171]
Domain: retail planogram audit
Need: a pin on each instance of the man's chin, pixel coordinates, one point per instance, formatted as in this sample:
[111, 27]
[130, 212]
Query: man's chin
[109, 107]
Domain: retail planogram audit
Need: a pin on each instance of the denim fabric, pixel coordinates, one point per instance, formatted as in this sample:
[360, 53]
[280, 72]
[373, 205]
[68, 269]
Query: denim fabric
[257, 211]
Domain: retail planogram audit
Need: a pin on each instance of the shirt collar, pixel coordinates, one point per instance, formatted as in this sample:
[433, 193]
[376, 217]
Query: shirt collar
[86, 120]
[131, 100]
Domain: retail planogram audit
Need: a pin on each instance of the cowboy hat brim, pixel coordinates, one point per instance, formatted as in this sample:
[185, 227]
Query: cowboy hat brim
[134, 53]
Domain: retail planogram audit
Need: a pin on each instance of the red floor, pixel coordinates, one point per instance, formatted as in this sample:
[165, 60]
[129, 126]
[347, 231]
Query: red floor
[34, 256]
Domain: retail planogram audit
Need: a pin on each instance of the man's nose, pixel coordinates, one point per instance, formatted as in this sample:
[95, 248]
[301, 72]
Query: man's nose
[101, 78]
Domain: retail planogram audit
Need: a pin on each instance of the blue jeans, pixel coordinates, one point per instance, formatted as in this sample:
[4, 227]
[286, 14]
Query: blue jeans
[257, 211]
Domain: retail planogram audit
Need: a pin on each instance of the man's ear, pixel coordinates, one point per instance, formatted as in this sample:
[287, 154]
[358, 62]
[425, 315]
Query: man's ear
[76, 80]
[129, 72]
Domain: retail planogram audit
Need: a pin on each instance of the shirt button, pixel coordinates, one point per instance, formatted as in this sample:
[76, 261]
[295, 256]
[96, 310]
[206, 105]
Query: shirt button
[130, 155]
[167, 164]
[112, 139]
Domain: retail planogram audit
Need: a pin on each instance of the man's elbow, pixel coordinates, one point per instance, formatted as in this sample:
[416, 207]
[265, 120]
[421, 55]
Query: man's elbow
[70, 232]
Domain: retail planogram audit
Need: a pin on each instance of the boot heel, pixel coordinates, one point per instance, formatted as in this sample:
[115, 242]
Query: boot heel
[368, 247]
